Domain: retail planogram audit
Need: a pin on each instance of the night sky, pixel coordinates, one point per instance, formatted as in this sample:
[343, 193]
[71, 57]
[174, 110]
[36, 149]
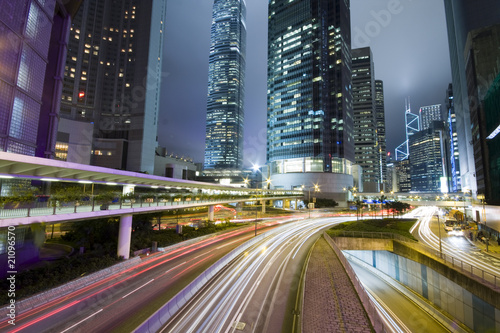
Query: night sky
[409, 45]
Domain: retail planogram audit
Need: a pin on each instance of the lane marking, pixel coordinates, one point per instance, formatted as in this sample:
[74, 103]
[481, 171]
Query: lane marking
[175, 267]
[81, 321]
[133, 291]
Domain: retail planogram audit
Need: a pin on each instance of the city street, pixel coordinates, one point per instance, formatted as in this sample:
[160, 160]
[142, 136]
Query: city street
[457, 246]
[253, 292]
[121, 302]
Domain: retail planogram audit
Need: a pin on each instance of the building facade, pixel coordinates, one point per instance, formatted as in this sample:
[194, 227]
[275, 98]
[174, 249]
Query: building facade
[33, 38]
[310, 137]
[428, 114]
[428, 152]
[403, 176]
[33, 41]
[226, 93]
[451, 122]
[382, 144]
[366, 139]
[463, 16]
[482, 75]
[412, 126]
[112, 79]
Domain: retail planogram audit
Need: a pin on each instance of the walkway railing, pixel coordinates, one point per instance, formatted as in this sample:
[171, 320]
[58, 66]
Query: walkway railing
[47, 208]
[461, 265]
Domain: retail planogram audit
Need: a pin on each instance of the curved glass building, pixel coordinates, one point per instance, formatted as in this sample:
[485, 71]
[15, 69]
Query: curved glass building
[226, 76]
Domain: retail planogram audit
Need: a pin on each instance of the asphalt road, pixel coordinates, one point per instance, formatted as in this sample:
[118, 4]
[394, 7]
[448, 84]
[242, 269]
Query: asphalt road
[123, 301]
[458, 247]
[253, 293]
[408, 316]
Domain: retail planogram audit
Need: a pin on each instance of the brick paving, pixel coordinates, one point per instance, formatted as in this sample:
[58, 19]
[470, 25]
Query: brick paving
[331, 303]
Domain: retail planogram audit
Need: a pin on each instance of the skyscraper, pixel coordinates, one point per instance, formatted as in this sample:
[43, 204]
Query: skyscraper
[112, 79]
[382, 144]
[463, 16]
[412, 126]
[33, 35]
[367, 153]
[310, 122]
[451, 122]
[428, 114]
[428, 152]
[226, 78]
[483, 76]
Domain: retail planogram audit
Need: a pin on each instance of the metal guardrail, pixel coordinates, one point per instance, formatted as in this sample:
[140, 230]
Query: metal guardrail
[91, 206]
[462, 266]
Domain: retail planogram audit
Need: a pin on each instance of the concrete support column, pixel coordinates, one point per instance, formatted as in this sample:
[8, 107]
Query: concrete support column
[124, 236]
[296, 204]
[263, 202]
[286, 203]
[210, 213]
[239, 207]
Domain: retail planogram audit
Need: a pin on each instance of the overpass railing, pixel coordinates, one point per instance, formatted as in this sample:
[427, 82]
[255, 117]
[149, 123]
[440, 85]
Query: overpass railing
[459, 264]
[91, 205]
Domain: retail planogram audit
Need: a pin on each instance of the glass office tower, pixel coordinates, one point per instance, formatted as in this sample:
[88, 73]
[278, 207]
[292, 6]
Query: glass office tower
[226, 76]
[463, 16]
[365, 118]
[112, 80]
[428, 114]
[382, 144]
[310, 118]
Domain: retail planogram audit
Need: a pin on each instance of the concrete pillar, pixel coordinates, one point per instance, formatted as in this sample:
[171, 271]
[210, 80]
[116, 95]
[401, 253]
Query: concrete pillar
[286, 204]
[124, 236]
[263, 202]
[296, 204]
[239, 207]
[210, 213]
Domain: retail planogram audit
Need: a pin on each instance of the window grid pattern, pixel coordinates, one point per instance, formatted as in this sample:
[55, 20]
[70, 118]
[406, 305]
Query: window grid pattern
[12, 13]
[24, 121]
[38, 29]
[28, 78]
[9, 53]
[6, 92]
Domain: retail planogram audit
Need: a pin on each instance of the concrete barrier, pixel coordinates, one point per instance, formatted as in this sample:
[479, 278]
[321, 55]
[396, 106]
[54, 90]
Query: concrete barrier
[49, 295]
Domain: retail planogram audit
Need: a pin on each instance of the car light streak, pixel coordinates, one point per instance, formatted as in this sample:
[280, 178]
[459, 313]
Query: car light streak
[228, 297]
[392, 321]
[429, 238]
[121, 277]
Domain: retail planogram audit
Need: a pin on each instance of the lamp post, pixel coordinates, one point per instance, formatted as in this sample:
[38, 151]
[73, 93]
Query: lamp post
[439, 232]
[481, 197]
[353, 191]
[316, 189]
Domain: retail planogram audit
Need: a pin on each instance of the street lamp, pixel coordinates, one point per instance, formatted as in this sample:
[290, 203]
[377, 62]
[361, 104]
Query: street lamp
[316, 189]
[439, 232]
[481, 197]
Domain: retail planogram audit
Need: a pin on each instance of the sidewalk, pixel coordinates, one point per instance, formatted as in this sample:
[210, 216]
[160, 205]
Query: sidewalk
[493, 247]
[330, 302]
